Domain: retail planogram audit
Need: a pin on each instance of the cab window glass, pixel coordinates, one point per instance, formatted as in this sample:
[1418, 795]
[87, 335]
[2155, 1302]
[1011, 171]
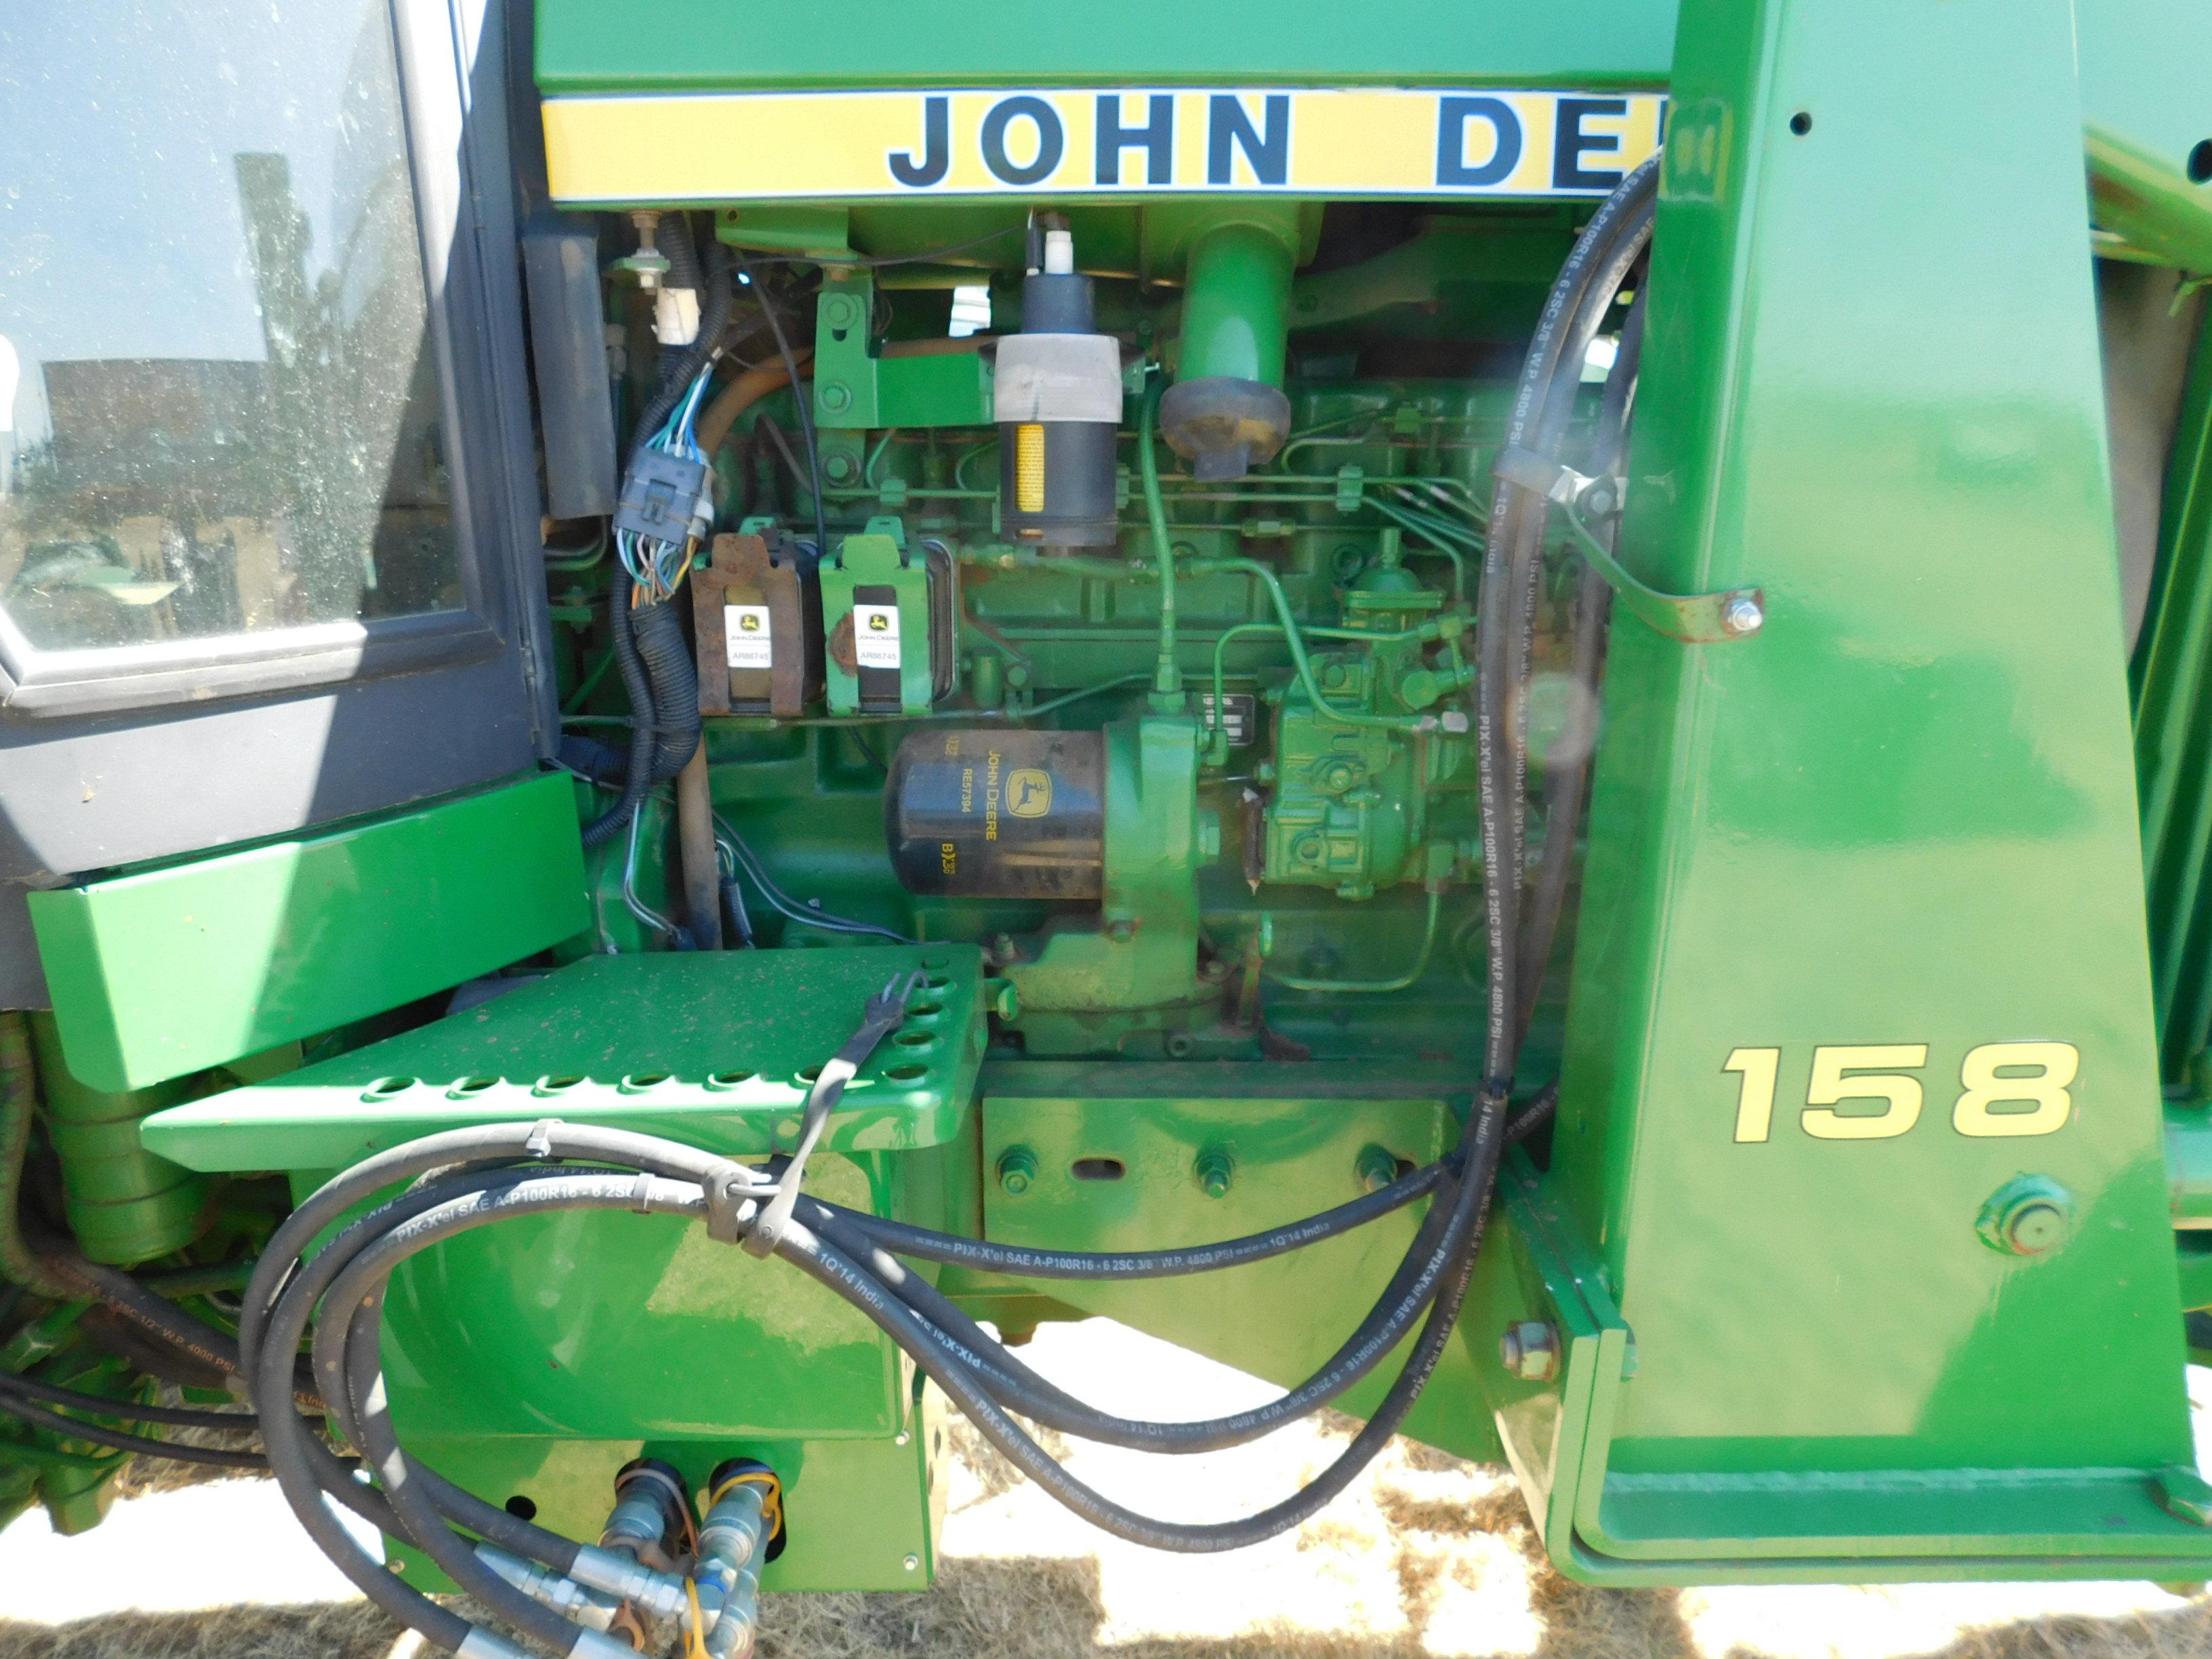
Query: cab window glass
[219, 414]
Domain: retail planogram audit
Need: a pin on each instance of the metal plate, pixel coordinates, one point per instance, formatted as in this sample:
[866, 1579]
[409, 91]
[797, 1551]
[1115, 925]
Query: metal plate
[716, 1049]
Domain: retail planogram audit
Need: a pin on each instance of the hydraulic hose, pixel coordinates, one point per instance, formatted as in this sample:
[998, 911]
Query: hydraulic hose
[128, 1411]
[1565, 777]
[1609, 246]
[16, 1405]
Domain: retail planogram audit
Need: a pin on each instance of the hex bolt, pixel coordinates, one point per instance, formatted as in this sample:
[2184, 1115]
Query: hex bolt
[1530, 1350]
[1742, 615]
[2029, 1215]
[841, 310]
[1017, 1167]
[2034, 1228]
[839, 467]
[1213, 1171]
[836, 396]
[1375, 1168]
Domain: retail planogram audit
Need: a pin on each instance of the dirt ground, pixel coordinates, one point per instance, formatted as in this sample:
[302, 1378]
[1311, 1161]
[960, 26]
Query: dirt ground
[1426, 1557]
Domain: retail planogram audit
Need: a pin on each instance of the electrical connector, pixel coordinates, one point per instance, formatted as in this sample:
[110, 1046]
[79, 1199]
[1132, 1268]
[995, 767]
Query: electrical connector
[676, 315]
[665, 497]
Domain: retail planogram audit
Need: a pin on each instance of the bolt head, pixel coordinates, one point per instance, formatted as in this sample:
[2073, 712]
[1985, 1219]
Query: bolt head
[1016, 1169]
[2034, 1228]
[1743, 615]
[1530, 1350]
[914, 1563]
[1375, 1168]
[2029, 1215]
[837, 396]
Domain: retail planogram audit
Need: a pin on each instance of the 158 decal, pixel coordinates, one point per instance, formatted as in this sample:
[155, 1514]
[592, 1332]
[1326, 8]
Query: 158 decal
[2005, 1090]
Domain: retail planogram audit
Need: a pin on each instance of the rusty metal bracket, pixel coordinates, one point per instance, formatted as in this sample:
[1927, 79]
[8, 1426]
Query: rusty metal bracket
[1732, 614]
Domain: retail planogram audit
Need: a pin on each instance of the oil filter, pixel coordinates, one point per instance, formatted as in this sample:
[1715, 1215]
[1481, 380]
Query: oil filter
[999, 814]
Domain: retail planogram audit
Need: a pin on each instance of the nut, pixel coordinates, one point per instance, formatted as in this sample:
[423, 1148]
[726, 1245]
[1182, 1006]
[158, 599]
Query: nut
[1213, 1171]
[1530, 1350]
[1742, 615]
[1017, 1167]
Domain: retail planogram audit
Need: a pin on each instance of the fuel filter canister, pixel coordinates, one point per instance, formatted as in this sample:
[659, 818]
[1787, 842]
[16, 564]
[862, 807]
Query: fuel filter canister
[999, 814]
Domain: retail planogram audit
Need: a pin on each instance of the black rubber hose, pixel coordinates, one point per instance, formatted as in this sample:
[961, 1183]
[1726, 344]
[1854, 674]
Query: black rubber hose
[672, 677]
[823, 1262]
[1510, 569]
[426, 1215]
[1530, 519]
[1018, 1389]
[1565, 779]
[69, 1428]
[132, 1301]
[501, 1142]
[346, 1343]
[638, 780]
[508, 1531]
[952, 1249]
[125, 1411]
[290, 1451]
[798, 398]
[672, 236]
[600, 762]
[306, 1480]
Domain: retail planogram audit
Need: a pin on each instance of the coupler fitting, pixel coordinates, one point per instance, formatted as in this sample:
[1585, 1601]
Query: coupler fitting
[651, 1503]
[743, 1527]
[593, 1609]
[633, 1564]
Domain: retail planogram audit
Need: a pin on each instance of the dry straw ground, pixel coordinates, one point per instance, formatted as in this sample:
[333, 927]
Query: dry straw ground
[1427, 1558]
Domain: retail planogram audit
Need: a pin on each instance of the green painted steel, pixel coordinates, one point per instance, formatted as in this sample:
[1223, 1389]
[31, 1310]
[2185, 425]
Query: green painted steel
[865, 1509]
[2174, 734]
[856, 386]
[1819, 894]
[166, 972]
[1292, 1139]
[700, 1357]
[1857, 1248]
[878, 563]
[124, 1203]
[1143, 960]
[717, 1048]
[587, 45]
[1237, 302]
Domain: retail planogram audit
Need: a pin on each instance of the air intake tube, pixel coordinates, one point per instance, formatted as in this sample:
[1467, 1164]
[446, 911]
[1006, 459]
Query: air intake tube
[1226, 413]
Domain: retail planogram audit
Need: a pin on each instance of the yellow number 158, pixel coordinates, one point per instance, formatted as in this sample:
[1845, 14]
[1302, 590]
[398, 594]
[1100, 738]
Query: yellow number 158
[2005, 1088]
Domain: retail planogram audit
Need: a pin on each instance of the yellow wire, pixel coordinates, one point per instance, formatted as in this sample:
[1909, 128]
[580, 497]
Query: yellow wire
[696, 1645]
[771, 1496]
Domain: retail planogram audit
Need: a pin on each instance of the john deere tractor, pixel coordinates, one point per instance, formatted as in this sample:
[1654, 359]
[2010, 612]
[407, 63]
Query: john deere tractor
[1500, 712]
